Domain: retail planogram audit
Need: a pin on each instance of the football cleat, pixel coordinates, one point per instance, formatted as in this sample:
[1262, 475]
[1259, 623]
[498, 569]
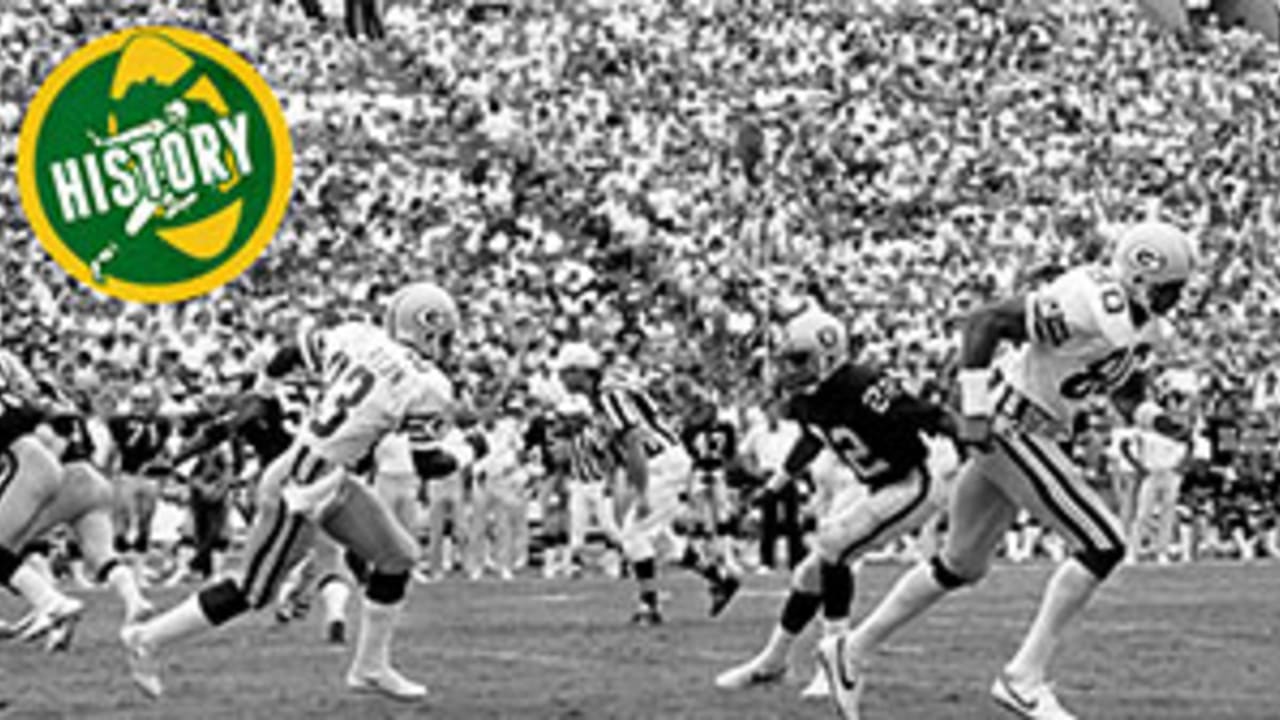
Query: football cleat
[336, 632]
[1033, 703]
[386, 682]
[144, 668]
[42, 622]
[753, 673]
[818, 688]
[844, 682]
[722, 592]
[646, 615]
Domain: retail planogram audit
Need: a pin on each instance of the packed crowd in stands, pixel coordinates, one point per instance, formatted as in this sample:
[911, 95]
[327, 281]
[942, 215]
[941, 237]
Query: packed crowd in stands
[667, 179]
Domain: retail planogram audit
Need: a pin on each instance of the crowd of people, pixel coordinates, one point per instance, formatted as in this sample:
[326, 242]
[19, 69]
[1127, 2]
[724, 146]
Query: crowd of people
[667, 179]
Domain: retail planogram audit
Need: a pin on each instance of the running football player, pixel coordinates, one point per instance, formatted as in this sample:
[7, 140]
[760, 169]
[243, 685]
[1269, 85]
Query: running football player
[1080, 337]
[874, 426]
[31, 476]
[376, 381]
[658, 471]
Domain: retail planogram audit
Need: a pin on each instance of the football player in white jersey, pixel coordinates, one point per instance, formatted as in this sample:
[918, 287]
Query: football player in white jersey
[658, 472]
[31, 477]
[376, 381]
[1080, 336]
[84, 501]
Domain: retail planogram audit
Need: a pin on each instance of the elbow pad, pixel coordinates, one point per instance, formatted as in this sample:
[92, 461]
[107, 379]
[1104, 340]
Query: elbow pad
[434, 463]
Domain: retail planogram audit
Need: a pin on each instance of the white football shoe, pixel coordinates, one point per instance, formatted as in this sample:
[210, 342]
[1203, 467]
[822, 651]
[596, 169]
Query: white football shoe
[57, 618]
[386, 681]
[844, 676]
[752, 673]
[818, 688]
[1032, 703]
[144, 668]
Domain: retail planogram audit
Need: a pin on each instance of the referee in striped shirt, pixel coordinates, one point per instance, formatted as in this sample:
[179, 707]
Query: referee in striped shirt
[658, 472]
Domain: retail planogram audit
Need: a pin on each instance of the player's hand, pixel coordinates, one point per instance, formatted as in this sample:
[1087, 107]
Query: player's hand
[974, 432]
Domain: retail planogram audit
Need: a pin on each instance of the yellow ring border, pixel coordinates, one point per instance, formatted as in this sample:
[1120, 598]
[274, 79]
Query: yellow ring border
[281, 190]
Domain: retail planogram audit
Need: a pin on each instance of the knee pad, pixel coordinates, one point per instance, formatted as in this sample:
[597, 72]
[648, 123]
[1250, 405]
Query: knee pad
[222, 602]
[837, 590]
[946, 577]
[1101, 562]
[9, 564]
[386, 588]
[39, 546]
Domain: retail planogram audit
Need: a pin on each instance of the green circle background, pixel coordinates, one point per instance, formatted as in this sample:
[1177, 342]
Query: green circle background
[83, 105]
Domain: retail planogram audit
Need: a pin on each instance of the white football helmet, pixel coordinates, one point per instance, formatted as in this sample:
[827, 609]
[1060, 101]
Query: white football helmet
[815, 344]
[1154, 260]
[425, 317]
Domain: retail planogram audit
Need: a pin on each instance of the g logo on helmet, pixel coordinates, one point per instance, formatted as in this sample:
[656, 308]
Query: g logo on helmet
[827, 336]
[1148, 259]
[154, 164]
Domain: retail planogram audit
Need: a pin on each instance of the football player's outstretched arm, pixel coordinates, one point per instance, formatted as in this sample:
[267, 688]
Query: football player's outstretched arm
[803, 451]
[985, 328]
[220, 430]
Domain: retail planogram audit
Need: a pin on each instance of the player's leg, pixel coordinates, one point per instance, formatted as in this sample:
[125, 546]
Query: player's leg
[1140, 529]
[978, 513]
[277, 540]
[333, 579]
[30, 478]
[637, 536]
[86, 502]
[1167, 508]
[365, 525]
[479, 550]
[146, 492]
[1050, 486]
[855, 523]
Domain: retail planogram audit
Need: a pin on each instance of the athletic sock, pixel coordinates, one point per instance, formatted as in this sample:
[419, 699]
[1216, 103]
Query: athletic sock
[186, 618]
[377, 626]
[34, 586]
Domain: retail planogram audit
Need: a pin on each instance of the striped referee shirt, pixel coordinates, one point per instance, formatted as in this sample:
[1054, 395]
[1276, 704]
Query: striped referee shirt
[627, 406]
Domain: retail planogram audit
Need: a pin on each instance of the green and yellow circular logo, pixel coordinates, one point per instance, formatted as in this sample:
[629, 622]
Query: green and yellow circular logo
[155, 164]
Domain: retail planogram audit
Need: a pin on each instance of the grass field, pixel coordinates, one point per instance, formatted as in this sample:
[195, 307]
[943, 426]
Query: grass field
[1196, 642]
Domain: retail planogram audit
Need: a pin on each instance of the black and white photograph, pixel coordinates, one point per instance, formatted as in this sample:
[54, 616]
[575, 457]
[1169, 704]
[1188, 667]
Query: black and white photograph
[640, 359]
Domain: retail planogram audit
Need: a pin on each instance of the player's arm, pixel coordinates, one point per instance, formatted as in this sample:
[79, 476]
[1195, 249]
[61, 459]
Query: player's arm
[220, 430]
[284, 361]
[984, 330]
[805, 448]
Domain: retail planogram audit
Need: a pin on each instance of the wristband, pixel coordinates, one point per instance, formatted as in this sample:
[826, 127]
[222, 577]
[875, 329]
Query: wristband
[975, 392]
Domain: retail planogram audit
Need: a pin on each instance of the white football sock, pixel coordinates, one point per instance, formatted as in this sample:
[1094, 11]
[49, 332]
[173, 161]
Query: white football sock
[914, 593]
[1069, 589]
[834, 627]
[185, 618]
[377, 626]
[122, 580]
[776, 649]
[37, 588]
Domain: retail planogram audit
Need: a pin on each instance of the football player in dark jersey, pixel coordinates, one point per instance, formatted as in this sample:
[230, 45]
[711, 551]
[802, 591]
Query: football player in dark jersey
[140, 436]
[874, 427]
[713, 445]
